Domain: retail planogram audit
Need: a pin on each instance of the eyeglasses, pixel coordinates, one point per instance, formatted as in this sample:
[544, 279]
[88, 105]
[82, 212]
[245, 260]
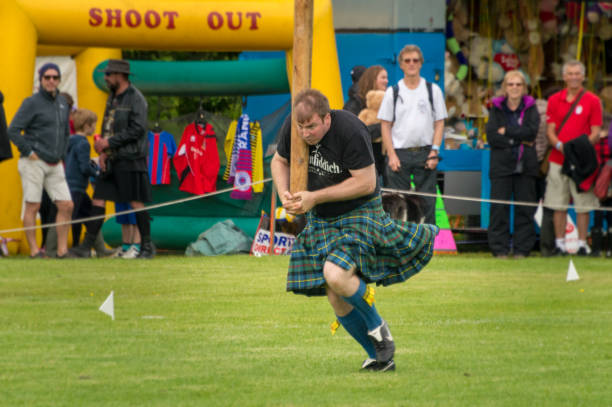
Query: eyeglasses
[514, 84]
[413, 60]
[49, 77]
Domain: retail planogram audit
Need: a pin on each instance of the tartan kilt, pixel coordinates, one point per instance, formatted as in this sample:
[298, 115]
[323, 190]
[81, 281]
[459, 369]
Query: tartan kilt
[383, 250]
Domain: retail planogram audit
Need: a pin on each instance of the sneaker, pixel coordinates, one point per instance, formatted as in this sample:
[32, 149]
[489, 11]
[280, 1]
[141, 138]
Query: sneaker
[119, 252]
[387, 366]
[583, 251]
[558, 252]
[383, 343]
[373, 366]
[131, 253]
[368, 364]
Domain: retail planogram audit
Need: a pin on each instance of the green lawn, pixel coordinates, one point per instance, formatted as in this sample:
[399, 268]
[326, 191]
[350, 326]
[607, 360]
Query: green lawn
[470, 330]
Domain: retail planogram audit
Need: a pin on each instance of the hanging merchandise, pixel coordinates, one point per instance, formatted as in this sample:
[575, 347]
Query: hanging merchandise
[257, 156]
[161, 149]
[244, 162]
[244, 152]
[197, 160]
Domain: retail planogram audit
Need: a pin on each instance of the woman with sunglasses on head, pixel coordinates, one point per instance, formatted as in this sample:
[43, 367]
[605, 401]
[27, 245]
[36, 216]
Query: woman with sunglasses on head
[511, 132]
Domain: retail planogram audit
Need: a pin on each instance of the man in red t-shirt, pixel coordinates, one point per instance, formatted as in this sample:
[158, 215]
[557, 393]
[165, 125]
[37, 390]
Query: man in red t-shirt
[586, 118]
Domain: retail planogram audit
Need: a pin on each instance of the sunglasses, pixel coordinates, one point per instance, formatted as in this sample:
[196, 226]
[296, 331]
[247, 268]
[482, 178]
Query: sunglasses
[413, 60]
[514, 84]
[49, 77]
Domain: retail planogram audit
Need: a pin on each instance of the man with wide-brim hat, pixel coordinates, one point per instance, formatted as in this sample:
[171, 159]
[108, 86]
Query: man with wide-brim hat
[117, 66]
[123, 157]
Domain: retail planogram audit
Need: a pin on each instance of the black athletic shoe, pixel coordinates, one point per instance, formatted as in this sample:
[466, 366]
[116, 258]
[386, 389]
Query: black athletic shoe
[387, 366]
[147, 250]
[582, 251]
[371, 365]
[383, 343]
[368, 364]
[82, 250]
[558, 252]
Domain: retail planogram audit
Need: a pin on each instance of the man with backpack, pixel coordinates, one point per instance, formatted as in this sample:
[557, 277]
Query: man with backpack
[412, 114]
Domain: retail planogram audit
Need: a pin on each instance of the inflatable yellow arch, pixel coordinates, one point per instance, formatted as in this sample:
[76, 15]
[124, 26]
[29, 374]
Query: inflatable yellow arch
[93, 31]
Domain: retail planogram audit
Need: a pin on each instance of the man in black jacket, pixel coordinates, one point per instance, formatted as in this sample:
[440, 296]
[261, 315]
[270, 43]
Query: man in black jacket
[123, 157]
[5, 145]
[40, 130]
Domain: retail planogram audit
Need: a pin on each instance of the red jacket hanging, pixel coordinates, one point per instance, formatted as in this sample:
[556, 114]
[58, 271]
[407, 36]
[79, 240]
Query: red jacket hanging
[197, 160]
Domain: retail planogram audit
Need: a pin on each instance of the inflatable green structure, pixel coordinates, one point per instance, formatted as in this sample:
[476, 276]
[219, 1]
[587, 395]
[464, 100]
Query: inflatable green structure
[175, 226]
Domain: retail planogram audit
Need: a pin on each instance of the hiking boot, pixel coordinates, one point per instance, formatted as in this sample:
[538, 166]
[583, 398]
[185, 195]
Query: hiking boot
[383, 343]
[84, 249]
[147, 250]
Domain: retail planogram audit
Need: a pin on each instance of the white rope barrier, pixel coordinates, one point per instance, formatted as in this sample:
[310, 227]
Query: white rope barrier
[222, 191]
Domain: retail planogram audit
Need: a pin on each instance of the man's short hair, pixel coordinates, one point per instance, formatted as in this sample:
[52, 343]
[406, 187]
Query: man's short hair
[410, 48]
[82, 118]
[573, 63]
[312, 101]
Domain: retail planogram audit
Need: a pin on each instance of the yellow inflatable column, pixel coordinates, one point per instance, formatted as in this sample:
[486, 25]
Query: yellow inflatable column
[88, 94]
[325, 69]
[18, 45]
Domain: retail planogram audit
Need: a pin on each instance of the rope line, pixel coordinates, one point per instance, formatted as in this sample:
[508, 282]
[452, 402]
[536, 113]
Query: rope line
[222, 191]
[134, 210]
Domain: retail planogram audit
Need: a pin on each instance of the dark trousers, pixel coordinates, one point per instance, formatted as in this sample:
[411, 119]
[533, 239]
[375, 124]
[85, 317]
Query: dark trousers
[48, 213]
[413, 165]
[522, 187]
[599, 216]
[82, 209]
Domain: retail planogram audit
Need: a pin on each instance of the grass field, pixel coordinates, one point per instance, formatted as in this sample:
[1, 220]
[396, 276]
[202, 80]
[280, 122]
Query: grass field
[221, 331]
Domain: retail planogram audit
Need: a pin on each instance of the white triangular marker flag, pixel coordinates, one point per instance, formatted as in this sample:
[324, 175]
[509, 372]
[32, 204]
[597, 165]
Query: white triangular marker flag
[572, 274]
[108, 307]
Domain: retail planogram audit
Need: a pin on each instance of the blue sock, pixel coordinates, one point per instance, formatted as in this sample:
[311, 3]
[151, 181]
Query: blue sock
[356, 327]
[137, 246]
[126, 246]
[368, 312]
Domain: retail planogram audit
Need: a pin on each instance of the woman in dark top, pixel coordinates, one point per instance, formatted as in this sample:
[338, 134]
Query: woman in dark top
[511, 131]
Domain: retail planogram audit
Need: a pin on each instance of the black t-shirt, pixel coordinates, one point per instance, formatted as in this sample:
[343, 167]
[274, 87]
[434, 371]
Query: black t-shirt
[346, 146]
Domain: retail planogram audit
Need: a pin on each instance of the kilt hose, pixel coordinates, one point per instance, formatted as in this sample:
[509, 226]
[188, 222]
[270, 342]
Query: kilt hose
[383, 251]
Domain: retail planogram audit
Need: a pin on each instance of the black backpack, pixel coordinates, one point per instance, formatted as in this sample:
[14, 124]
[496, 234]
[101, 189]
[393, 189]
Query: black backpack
[429, 93]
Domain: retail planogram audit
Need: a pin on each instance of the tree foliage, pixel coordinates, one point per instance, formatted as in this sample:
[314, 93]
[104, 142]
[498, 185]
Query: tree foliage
[168, 107]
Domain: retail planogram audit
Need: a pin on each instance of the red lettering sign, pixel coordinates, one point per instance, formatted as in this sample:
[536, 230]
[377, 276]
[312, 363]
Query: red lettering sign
[132, 18]
[234, 19]
[215, 20]
[95, 15]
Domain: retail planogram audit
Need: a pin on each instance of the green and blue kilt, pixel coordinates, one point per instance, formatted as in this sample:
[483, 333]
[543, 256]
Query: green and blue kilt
[382, 250]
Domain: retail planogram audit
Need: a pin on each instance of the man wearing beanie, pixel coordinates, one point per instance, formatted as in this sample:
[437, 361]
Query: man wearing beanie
[40, 130]
[123, 157]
